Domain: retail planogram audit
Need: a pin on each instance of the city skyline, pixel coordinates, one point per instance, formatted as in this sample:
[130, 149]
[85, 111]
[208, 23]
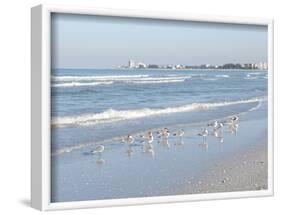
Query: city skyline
[82, 41]
[142, 65]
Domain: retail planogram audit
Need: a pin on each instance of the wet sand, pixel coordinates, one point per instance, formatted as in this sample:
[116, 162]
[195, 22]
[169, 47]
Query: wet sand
[234, 161]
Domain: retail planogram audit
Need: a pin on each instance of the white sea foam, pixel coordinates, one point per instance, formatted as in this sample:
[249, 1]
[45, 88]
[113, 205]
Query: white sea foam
[250, 78]
[215, 78]
[256, 107]
[255, 73]
[112, 115]
[210, 79]
[157, 81]
[99, 78]
[81, 84]
[126, 78]
[222, 76]
[103, 80]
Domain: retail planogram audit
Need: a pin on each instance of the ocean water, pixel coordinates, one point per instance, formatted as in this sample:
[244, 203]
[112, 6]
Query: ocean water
[96, 105]
[91, 107]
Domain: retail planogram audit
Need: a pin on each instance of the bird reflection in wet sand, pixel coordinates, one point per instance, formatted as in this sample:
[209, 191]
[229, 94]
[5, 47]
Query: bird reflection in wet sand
[164, 142]
[129, 151]
[218, 134]
[100, 161]
[179, 143]
[148, 149]
[233, 128]
[204, 133]
[204, 145]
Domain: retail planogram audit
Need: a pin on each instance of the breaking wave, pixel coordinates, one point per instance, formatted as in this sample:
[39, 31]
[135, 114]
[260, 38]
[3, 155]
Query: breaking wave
[112, 115]
[222, 76]
[81, 84]
[80, 81]
[96, 78]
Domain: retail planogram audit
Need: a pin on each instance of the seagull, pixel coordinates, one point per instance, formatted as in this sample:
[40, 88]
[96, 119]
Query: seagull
[165, 133]
[129, 139]
[150, 138]
[234, 119]
[213, 125]
[149, 149]
[216, 125]
[179, 133]
[204, 134]
[147, 138]
[220, 125]
[98, 150]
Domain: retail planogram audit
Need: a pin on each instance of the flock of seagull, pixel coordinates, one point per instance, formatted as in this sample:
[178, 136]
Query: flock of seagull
[215, 129]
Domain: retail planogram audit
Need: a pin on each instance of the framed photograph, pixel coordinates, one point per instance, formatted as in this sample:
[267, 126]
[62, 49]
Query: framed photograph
[140, 107]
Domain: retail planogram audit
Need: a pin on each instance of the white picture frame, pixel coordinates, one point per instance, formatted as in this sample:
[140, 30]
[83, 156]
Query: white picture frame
[40, 107]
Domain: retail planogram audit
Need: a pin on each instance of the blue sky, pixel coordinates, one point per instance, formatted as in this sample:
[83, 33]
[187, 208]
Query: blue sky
[82, 41]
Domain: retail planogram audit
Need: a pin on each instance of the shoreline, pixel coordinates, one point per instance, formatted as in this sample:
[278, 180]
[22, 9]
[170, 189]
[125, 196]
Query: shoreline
[140, 132]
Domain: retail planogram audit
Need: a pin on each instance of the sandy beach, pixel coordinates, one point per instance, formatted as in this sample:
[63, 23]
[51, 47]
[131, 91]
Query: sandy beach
[234, 161]
[243, 171]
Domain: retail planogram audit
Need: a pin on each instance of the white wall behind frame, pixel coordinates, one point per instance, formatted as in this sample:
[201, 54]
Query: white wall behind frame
[15, 103]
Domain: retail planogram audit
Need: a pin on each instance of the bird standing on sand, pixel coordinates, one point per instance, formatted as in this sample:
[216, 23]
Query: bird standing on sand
[213, 125]
[179, 133]
[216, 125]
[234, 119]
[98, 149]
[148, 138]
[204, 134]
[165, 133]
[129, 139]
[219, 126]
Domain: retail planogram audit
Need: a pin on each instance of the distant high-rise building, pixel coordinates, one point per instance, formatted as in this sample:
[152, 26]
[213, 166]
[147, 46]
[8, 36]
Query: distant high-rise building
[141, 65]
[262, 66]
[131, 64]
